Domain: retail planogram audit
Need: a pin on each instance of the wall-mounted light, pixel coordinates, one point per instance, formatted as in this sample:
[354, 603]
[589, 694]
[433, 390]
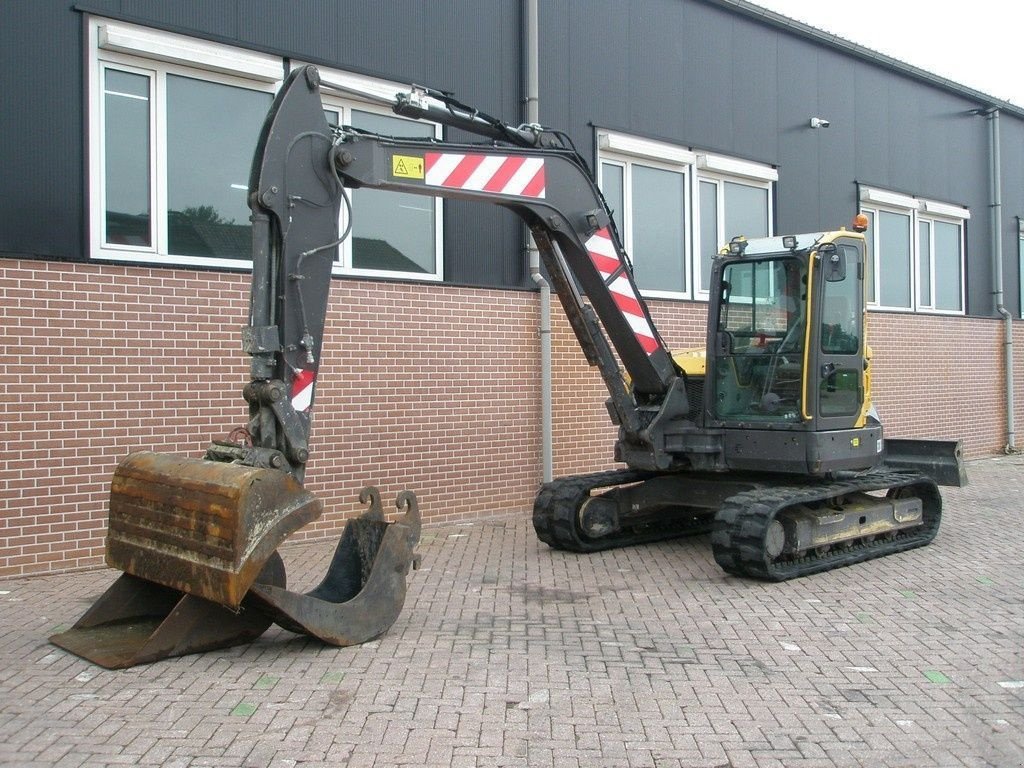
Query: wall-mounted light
[819, 122]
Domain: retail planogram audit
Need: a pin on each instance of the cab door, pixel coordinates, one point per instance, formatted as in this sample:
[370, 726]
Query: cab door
[837, 381]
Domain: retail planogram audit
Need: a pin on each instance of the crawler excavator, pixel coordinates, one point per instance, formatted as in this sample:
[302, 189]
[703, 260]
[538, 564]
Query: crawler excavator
[767, 437]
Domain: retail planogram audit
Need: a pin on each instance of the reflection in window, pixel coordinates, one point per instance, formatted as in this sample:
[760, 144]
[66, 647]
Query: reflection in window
[126, 164]
[393, 231]
[839, 391]
[894, 259]
[212, 131]
[746, 211]
[658, 203]
[759, 360]
[947, 261]
[708, 230]
[840, 309]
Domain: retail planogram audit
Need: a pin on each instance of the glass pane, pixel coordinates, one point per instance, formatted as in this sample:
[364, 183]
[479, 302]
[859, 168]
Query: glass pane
[393, 231]
[211, 135]
[746, 211]
[869, 257]
[708, 230]
[126, 158]
[894, 259]
[839, 393]
[948, 272]
[611, 187]
[759, 357]
[840, 310]
[659, 199]
[924, 261]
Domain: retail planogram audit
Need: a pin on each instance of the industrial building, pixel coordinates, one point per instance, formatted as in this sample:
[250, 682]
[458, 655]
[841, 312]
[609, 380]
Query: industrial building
[128, 128]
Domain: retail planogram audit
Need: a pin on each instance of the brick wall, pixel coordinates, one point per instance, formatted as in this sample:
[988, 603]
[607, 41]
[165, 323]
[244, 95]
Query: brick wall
[432, 388]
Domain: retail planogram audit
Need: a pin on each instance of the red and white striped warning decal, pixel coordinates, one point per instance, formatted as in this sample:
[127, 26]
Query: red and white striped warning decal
[500, 174]
[607, 260]
[302, 389]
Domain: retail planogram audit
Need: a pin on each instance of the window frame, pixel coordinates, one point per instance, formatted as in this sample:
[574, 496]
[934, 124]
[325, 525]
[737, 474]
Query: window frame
[365, 94]
[764, 180]
[624, 150]
[156, 54]
[140, 50]
[1020, 263]
[920, 211]
[625, 222]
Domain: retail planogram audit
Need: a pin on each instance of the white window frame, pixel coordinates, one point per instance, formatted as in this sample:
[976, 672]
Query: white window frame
[719, 170]
[141, 50]
[1020, 262]
[156, 54]
[342, 92]
[623, 150]
[920, 211]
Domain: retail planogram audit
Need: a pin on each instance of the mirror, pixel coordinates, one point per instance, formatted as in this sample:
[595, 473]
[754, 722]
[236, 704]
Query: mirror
[833, 261]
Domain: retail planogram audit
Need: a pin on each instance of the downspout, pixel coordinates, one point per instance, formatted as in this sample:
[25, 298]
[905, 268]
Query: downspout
[997, 274]
[531, 81]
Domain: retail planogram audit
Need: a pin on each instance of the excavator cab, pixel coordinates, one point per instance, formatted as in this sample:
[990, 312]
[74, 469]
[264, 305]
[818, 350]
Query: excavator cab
[789, 365]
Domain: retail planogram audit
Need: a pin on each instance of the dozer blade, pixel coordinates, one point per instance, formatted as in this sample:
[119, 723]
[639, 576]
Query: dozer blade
[364, 589]
[205, 528]
[137, 621]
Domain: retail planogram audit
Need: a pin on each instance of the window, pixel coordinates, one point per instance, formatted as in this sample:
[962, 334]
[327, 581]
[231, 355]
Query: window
[172, 131]
[916, 247]
[759, 365]
[393, 233]
[1020, 261]
[675, 208]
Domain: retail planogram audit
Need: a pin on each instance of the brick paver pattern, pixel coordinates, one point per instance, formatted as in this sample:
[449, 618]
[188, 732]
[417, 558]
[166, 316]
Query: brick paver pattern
[511, 654]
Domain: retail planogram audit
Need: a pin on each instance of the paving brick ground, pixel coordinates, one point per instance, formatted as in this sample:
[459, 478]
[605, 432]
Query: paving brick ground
[511, 654]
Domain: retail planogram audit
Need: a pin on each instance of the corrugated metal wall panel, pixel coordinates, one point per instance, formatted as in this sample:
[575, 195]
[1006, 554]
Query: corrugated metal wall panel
[687, 71]
[41, 119]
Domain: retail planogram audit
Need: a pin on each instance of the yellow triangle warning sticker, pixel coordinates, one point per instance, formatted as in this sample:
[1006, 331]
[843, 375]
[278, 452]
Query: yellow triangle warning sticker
[407, 167]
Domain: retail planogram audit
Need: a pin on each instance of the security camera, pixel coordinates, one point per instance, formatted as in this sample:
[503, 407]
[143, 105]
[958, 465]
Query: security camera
[818, 122]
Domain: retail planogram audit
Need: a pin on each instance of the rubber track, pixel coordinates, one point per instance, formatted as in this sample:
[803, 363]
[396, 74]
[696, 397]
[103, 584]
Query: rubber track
[556, 508]
[741, 522]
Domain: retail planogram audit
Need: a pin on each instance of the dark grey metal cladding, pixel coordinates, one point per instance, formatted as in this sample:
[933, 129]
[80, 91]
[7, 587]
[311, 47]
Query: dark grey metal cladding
[702, 75]
[799, 452]
[697, 73]
[42, 123]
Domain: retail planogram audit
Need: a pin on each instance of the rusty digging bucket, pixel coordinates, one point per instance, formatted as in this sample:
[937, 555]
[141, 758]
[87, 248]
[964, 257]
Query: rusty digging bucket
[197, 541]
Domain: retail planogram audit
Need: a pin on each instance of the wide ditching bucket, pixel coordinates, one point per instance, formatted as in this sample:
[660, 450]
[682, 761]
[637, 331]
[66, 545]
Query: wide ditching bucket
[197, 543]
